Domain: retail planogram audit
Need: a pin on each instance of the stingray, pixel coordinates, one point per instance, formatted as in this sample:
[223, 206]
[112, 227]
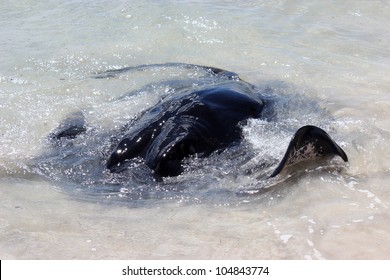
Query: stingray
[197, 122]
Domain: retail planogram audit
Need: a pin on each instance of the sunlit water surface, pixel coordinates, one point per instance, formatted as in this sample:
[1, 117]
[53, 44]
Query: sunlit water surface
[327, 63]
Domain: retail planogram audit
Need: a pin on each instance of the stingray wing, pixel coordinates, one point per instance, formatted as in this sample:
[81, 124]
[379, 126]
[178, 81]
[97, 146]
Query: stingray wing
[70, 127]
[309, 142]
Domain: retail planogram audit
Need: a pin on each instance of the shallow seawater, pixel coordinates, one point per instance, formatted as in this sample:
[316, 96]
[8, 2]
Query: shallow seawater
[327, 64]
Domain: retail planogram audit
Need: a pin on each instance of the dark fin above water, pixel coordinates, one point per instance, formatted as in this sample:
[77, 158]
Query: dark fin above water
[309, 142]
[70, 127]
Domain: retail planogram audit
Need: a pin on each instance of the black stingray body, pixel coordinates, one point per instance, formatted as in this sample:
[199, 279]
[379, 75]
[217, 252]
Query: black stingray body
[198, 122]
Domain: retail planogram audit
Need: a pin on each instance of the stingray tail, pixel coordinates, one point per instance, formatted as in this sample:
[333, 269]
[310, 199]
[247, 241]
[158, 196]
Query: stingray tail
[144, 67]
[309, 142]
